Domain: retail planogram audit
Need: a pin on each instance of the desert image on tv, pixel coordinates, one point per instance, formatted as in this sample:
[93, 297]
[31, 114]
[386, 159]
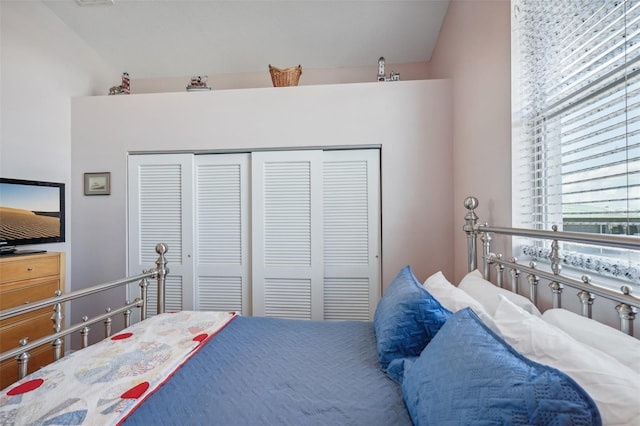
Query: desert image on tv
[20, 224]
[29, 212]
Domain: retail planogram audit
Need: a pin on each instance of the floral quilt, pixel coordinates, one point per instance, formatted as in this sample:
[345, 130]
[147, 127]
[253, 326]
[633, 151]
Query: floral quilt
[105, 382]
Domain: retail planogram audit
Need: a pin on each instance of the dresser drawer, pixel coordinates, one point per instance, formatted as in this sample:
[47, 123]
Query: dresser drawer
[20, 292]
[25, 279]
[16, 269]
[33, 325]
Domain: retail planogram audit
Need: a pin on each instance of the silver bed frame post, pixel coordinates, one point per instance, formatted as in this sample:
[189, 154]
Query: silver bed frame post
[127, 315]
[486, 255]
[143, 295]
[586, 299]
[555, 286]
[470, 227]
[107, 324]
[84, 332]
[499, 272]
[161, 274]
[533, 284]
[57, 318]
[23, 359]
[515, 276]
[626, 312]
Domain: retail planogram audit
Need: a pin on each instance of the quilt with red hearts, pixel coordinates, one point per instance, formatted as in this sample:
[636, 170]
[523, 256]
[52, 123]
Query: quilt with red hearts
[103, 383]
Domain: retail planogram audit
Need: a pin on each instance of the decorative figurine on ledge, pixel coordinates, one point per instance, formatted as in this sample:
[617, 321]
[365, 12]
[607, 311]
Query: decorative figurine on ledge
[198, 83]
[124, 88]
[381, 68]
[381, 76]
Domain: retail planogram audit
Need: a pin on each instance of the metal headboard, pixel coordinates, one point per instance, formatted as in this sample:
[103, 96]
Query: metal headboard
[627, 303]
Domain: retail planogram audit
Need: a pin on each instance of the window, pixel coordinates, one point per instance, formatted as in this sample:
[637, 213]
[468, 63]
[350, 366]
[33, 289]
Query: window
[576, 139]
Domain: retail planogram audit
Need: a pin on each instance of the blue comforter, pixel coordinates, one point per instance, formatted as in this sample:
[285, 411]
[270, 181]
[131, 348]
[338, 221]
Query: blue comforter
[268, 371]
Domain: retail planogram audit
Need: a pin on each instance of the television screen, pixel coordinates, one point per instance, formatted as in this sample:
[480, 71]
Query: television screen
[31, 212]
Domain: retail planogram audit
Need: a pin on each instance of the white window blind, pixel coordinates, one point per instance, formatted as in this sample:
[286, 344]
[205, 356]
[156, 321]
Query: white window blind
[576, 139]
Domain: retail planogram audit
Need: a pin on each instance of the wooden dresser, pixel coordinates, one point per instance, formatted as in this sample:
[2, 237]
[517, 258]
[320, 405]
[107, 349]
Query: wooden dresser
[24, 279]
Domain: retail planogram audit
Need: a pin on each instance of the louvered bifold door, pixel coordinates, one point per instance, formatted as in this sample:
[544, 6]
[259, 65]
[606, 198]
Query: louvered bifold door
[160, 198]
[351, 234]
[287, 234]
[222, 237]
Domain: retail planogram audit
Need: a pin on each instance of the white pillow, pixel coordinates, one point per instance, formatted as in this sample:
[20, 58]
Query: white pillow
[488, 294]
[622, 347]
[613, 386]
[455, 299]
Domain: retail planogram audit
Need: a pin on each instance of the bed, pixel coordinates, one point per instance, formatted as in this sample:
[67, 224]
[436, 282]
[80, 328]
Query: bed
[478, 352]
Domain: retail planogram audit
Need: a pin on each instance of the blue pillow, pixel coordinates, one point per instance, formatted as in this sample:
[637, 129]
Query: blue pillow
[398, 367]
[468, 374]
[406, 318]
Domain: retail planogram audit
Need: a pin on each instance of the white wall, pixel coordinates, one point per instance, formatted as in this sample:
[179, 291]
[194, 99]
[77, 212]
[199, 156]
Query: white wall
[474, 51]
[409, 119]
[309, 77]
[42, 64]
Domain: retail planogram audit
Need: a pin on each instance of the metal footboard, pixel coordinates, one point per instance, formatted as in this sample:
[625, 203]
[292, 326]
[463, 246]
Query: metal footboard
[21, 353]
[627, 303]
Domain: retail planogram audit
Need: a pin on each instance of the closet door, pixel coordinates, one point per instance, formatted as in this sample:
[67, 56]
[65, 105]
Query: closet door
[351, 233]
[287, 257]
[222, 237]
[160, 209]
[291, 234]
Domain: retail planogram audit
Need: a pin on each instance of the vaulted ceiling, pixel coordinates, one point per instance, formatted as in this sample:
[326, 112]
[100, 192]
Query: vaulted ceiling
[174, 38]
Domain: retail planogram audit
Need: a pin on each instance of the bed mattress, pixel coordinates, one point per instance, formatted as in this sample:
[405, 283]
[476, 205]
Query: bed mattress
[259, 371]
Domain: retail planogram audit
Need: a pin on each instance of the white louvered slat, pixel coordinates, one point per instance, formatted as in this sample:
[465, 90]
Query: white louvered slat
[173, 295]
[305, 207]
[159, 210]
[220, 294]
[222, 233]
[287, 233]
[351, 233]
[346, 213]
[346, 299]
[219, 214]
[160, 201]
[287, 213]
[287, 298]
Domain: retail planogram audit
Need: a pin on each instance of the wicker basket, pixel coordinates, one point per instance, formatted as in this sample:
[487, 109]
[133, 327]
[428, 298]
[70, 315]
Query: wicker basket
[282, 77]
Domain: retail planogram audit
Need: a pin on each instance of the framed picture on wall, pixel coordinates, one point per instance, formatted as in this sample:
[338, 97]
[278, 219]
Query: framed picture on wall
[97, 183]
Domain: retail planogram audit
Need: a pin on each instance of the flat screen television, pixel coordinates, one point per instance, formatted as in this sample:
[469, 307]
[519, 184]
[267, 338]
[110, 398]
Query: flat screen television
[31, 212]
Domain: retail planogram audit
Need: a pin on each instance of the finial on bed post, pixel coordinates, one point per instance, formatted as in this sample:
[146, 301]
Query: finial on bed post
[23, 359]
[127, 315]
[162, 271]
[143, 295]
[627, 313]
[533, 285]
[107, 325]
[57, 318]
[555, 258]
[586, 298]
[499, 272]
[486, 254]
[515, 276]
[471, 219]
[556, 267]
[84, 333]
